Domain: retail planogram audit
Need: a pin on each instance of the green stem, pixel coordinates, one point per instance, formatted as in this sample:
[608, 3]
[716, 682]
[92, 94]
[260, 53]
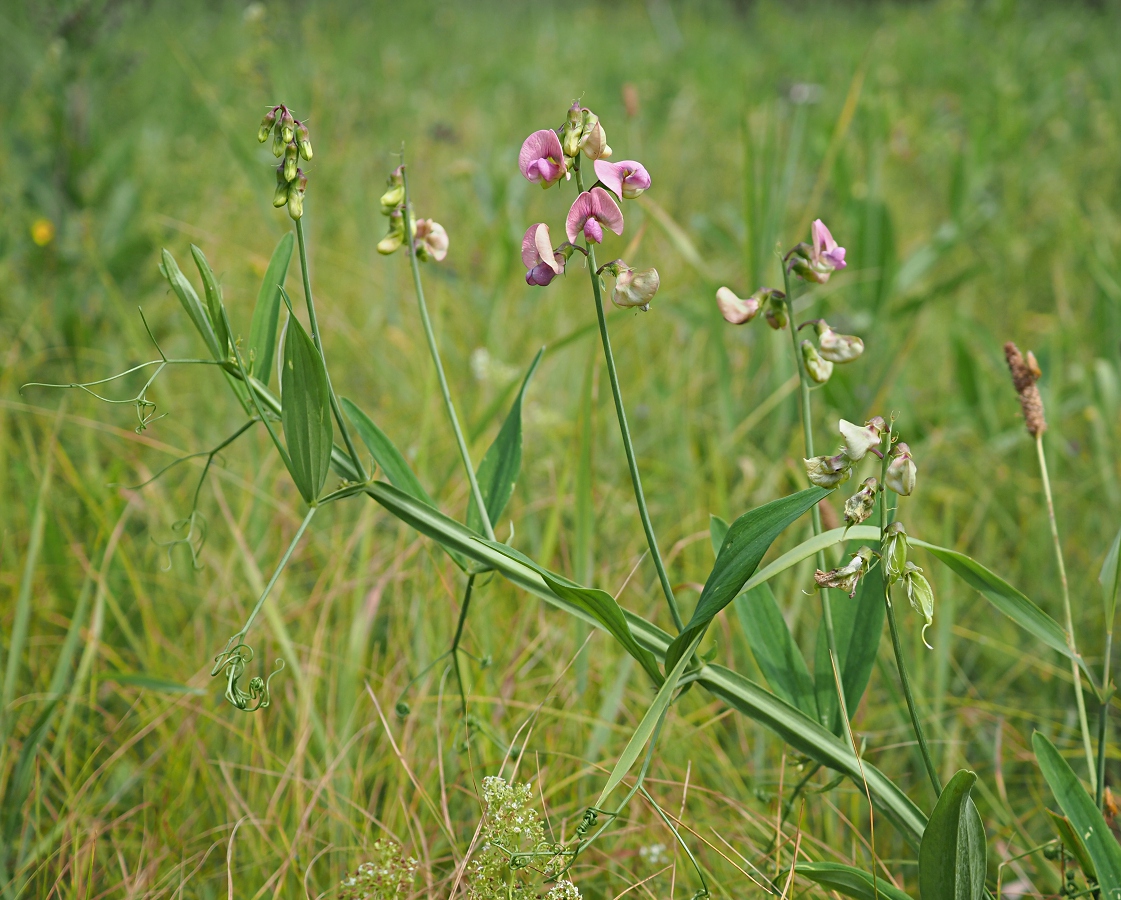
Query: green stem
[455, 641]
[464, 454]
[904, 678]
[808, 437]
[1103, 721]
[632, 462]
[1090, 764]
[350, 448]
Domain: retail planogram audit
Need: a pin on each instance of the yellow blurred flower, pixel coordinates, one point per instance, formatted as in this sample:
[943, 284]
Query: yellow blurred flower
[42, 232]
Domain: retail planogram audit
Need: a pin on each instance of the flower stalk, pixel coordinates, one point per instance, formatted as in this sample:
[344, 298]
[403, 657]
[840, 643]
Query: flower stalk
[624, 430]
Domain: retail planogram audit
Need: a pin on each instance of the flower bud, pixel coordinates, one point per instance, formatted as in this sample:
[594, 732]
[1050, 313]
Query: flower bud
[595, 142]
[296, 195]
[635, 289]
[287, 123]
[859, 506]
[859, 439]
[828, 471]
[573, 130]
[402, 709]
[838, 348]
[277, 144]
[817, 368]
[901, 471]
[737, 310]
[846, 577]
[895, 552]
[303, 138]
[280, 197]
[291, 159]
[775, 313]
[431, 240]
[266, 126]
[921, 596]
[395, 237]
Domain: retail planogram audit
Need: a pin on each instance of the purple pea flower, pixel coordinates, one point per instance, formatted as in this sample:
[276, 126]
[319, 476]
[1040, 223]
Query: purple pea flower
[542, 159]
[590, 212]
[825, 250]
[627, 178]
[543, 263]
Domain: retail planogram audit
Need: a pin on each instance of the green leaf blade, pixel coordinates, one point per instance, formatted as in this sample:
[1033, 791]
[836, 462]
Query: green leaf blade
[745, 543]
[1079, 807]
[774, 649]
[1110, 580]
[385, 453]
[197, 313]
[266, 314]
[498, 472]
[953, 856]
[305, 412]
[849, 881]
[213, 300]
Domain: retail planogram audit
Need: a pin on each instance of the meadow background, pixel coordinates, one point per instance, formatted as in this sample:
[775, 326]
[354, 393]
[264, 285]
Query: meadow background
[966, 154]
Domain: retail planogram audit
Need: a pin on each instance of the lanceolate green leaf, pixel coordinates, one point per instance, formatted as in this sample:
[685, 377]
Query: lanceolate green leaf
[795, 727]
[266, 314]
[213, 300]
[191, 303]
[305, 412]
[1084, 815]
[773, 647]
[499, 470]
[717, 529]
[599, 604]
[385, 453]
[857, 626]
[1072, 840]
[747, 540]
[1003, 596]
[952, 856]
[849, 881]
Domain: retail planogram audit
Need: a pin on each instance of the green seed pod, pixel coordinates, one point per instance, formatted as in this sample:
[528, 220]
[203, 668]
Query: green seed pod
[266, 126]
[303, 138]
[287, 125]
[291, 158]
[895, 552]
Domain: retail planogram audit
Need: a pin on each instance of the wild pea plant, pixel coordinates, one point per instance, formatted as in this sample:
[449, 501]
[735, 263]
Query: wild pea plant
[862, 570]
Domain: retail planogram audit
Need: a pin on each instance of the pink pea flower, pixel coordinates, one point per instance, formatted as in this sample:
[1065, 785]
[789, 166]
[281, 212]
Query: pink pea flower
[431, 240]
[825, 249]
[590, 212]
[543, 263]
[542, 159]
[635, 289]
[627, 178]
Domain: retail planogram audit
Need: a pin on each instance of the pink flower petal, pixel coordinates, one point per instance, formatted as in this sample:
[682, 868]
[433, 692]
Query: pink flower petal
[607, 210]
[531, 243]
[611, 175]
[541, 145]
[593, 231]
[822, 240]
[578, 213]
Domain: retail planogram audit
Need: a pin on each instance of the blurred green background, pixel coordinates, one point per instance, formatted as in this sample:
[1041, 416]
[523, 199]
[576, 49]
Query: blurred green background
[966, 154]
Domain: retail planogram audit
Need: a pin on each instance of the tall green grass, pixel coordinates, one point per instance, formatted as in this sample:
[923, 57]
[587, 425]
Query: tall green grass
[974, 181]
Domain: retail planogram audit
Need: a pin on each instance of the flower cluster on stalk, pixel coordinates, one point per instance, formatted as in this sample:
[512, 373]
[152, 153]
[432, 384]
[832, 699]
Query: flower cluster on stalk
[512, 846]
[429, 236]
[387, 876]
[549, 156]
[291, 141]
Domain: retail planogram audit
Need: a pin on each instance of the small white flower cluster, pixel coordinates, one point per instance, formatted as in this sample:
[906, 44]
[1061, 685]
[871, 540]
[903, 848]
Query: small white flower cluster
[654, 854]
[514, 849]
[387, 876]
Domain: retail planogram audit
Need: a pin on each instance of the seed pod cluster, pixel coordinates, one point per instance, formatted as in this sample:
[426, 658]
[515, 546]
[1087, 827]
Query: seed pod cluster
[291, 140]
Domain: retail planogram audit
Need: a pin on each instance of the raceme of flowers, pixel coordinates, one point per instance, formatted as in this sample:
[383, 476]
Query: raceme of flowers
[548, 157]
[429, 237]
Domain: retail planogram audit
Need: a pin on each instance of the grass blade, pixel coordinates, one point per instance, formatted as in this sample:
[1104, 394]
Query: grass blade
[1110, 579]
[266, 314]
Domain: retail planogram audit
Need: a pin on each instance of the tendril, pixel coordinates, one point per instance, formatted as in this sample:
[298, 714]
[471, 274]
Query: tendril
[232, 663]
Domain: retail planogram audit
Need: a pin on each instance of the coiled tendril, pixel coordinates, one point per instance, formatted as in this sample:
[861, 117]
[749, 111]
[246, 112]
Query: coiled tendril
[234, 661]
